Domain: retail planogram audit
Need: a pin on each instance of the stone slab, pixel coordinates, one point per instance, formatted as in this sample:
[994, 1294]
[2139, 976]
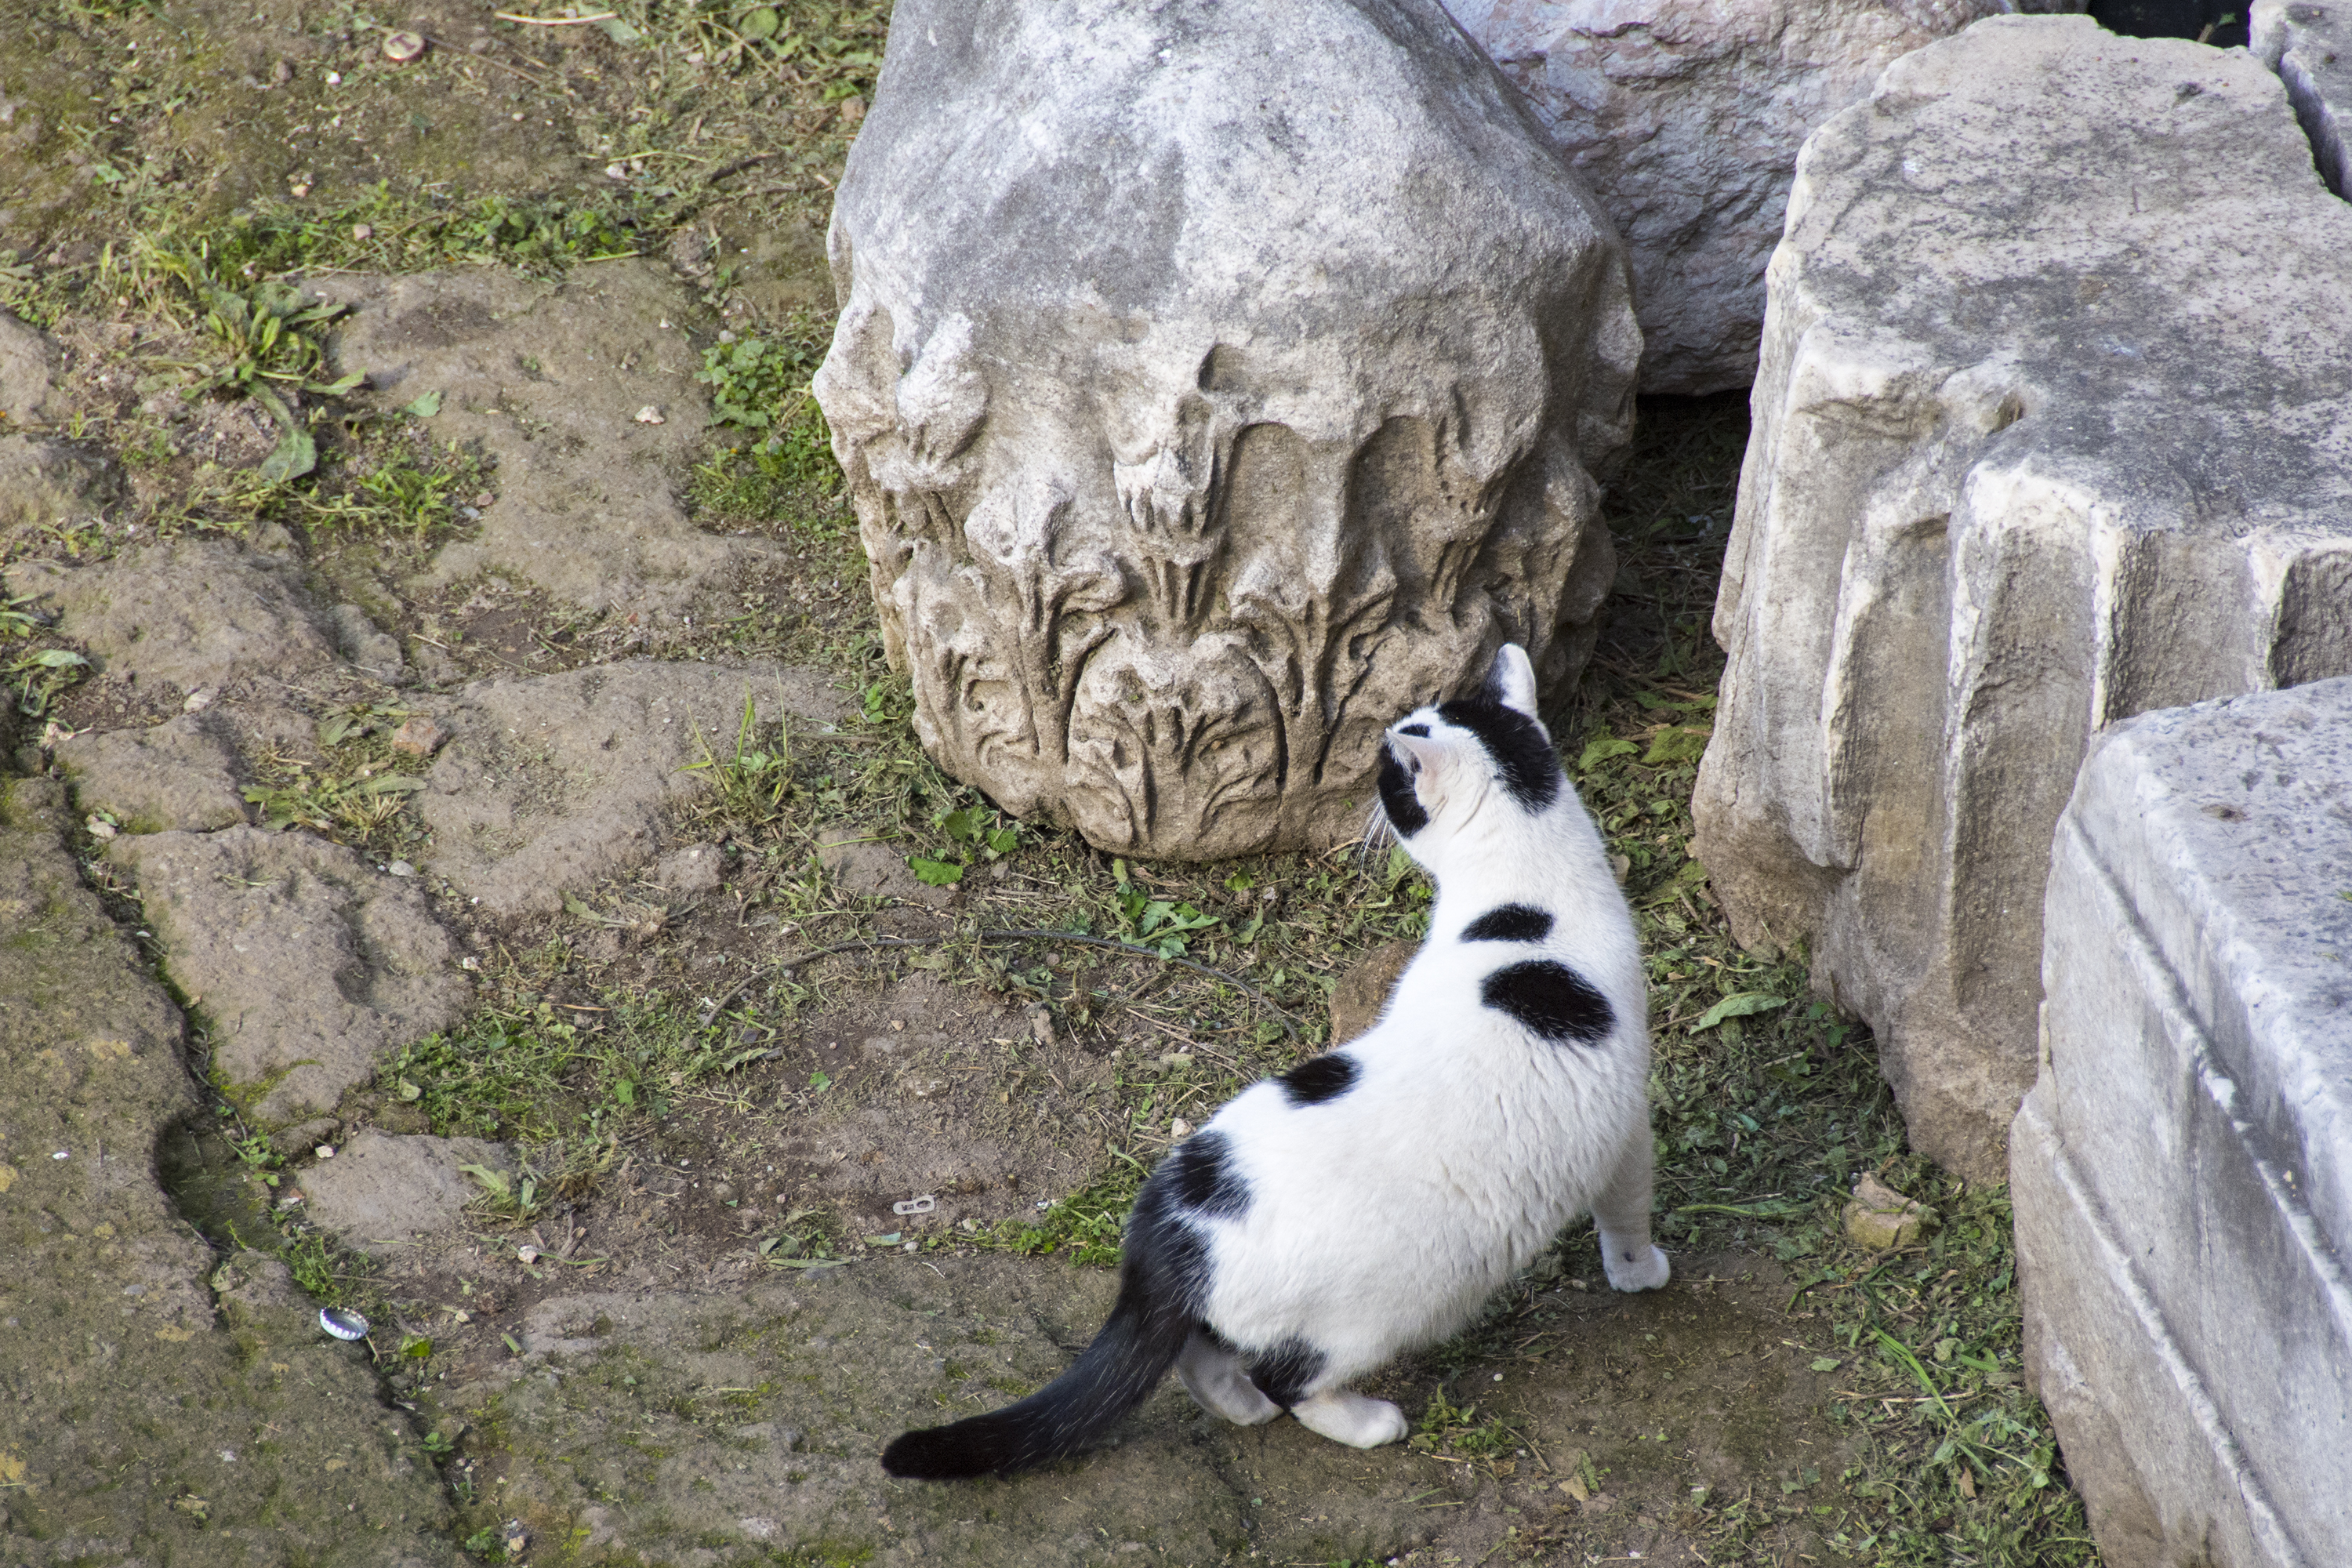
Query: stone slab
[382, 1191]
[307, 961]
[551, 782]
[2310, 47]
[153, 1408]
[181, 773]
[549, 379]
[2182, 1170]
[142, 617]
[28, 374]
[47, 483]
[2041, 441]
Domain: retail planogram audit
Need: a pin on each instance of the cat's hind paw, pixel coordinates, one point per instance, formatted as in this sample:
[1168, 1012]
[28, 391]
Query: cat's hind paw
[1212, 1374]
[1635, 1268]
[1351, 1418]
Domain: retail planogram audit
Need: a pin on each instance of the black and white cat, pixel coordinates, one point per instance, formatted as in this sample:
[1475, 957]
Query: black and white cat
[1368, 1201]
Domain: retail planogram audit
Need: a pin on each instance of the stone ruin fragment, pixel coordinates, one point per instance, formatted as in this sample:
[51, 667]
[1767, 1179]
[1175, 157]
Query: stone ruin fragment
[1214, 383]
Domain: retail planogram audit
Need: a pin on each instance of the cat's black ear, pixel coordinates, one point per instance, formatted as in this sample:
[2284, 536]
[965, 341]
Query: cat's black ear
[1512, 681]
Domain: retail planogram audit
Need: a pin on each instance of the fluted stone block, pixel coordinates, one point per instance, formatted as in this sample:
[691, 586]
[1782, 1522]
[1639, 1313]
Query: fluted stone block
[1214, 383]
[2310, 47]
[1687, 115]
[2053, 427]
[2182, 1170]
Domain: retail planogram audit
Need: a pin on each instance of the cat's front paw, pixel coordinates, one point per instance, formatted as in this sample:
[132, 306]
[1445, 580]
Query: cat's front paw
[1645, 1269]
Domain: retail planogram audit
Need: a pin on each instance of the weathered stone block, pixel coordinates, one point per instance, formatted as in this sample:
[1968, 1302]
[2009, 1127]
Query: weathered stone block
[1687, 115]
[381, 1190]
[2053, 427]
[128, 1393]
[2310, 47]
[1245, 395]
[2182, 1170]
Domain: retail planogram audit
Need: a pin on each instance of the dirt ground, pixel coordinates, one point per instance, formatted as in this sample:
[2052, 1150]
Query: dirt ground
[748, 1092]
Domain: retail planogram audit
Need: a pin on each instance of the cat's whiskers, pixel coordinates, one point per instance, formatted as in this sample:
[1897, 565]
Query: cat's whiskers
[1373, 844]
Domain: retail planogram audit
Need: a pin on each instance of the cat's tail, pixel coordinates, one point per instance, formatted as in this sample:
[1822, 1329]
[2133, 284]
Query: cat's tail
[1156, 1310]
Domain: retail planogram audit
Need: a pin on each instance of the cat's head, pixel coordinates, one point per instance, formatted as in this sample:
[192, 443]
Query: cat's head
[1443, 766]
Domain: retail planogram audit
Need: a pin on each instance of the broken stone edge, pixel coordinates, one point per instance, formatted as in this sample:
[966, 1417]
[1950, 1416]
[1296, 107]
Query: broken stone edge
[2188, 1317]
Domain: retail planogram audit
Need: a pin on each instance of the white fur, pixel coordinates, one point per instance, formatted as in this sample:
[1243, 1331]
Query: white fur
[1382, 1219]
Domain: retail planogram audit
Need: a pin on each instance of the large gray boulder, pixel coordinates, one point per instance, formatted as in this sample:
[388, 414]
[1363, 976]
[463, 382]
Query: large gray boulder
[1214, 383]
[2053, 427]
[2310, 47]
[1687, 115]
[2182, 1170]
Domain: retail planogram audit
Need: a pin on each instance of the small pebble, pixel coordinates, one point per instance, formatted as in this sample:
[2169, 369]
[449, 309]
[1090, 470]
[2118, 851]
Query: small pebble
[363, 231]
[649, 415]
[418, 736]
[324, 1151]
[401, 869]
[335, 78]
[526, 1253]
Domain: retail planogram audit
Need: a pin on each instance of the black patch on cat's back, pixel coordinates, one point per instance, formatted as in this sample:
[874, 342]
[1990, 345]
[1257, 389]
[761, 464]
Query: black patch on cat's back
[1529, 767]
[1403, 807]
[1200, 1176]
[1282, 1373]
[1320, 1078]
[1510, 923]
[1552, 999]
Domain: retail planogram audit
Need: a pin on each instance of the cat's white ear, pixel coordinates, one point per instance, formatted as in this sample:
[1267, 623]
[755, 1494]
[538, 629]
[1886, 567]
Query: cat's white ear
[1420, 750]
[1512, 681]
